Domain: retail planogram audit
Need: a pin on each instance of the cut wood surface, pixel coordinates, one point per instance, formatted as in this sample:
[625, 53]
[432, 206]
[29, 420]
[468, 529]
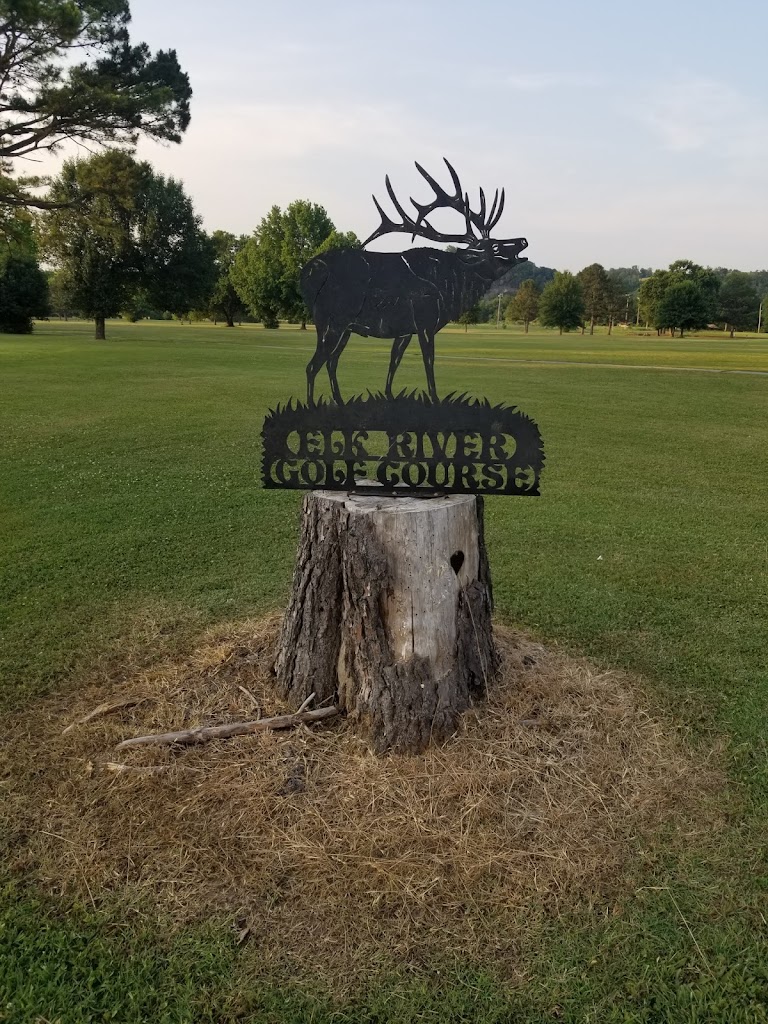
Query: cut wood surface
[390, 613]
[219, 732]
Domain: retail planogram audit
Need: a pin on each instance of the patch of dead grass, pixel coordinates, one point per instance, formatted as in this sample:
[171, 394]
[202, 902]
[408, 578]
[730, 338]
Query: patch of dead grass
[333, 858]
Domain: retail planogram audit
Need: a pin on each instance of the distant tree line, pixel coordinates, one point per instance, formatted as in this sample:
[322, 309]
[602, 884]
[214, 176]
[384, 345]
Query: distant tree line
[125, 240]
[122, 239]
[685, 297]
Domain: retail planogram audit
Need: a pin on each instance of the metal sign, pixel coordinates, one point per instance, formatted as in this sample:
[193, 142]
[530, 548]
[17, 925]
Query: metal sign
[405, 443]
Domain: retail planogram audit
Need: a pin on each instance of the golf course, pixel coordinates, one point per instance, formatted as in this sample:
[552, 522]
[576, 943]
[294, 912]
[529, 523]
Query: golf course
[134, 528]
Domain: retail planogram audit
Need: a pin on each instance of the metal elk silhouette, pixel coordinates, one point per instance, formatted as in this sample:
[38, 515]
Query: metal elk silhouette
[397, 295]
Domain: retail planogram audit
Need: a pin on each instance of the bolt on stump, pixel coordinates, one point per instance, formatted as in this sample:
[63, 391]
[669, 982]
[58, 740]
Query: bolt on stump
[390, 614]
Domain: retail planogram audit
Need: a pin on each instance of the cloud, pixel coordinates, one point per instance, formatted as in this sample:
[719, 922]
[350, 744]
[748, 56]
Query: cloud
[540, 81]
[693, 114]
[287, 131]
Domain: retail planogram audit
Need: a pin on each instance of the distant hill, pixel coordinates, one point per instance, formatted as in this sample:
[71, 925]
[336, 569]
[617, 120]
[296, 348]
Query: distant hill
[511, 281]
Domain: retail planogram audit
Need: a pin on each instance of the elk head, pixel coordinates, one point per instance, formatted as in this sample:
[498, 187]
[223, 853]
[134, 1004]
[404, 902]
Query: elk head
[500, 254]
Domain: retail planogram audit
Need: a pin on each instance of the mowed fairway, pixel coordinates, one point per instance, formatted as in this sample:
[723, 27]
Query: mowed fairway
[132, 516]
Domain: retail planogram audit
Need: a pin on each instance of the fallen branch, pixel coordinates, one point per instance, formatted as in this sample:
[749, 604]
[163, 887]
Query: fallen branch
[106, 709]
[119, 769]
[219, 732]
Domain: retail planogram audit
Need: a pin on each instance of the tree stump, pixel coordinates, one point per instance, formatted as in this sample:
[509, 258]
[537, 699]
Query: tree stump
[390, 614]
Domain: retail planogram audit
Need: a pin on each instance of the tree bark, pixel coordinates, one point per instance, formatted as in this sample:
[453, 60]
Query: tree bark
[526, 326]
[390, 614]
[101, 328]
[591, 326]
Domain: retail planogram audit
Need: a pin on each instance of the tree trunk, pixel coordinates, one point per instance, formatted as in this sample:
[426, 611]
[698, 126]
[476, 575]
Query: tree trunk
[561, 330]
[681, 332]
[303, 325]
[230, 321]
[101, 328]
[390, 614]
[610, 325]
[583, 328]
[591, 325]
[526, 326]
[733, 330]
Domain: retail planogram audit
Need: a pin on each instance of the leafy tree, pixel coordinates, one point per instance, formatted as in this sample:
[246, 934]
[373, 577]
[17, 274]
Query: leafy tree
[653, 290]
[683, 306]
[651, 293]
[306, 228]
[614, 299]
[118, 229]
[594, 286]
[23, 285]
[120, 91]
[257, 270]
[470, 316]
[23, 294]
[562, 302]
[630, 277]
[139, 307]
[705, 279]
[267, 269]
[60, 295]
[174, 257]
[738, 302]
[487, 309]
[225, 303]
[759, 279]
[524, 304]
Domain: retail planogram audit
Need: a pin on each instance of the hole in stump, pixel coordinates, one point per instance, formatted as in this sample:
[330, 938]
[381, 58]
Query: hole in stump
[457, 560]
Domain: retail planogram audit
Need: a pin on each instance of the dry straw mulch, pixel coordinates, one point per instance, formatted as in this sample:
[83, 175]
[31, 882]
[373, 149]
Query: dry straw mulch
[328, 856]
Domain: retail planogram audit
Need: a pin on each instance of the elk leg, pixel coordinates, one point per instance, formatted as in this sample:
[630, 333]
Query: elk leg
[332, 362]
[427, 343]
[314, 364]
[398, 348]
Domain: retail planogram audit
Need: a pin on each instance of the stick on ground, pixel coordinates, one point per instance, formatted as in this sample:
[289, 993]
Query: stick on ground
[106, 709]
[218, 732]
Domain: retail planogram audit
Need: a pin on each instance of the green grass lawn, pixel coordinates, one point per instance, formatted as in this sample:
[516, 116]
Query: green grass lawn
[131, 516]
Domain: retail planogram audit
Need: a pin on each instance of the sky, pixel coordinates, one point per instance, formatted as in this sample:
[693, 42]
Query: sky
[624, 133]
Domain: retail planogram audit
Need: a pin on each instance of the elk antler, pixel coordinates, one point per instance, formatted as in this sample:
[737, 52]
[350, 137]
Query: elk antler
[443, 200]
